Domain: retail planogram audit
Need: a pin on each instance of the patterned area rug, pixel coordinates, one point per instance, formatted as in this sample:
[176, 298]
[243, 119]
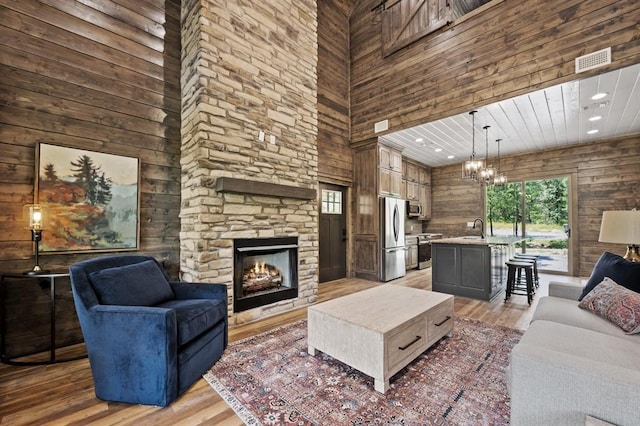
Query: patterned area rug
[270, 379]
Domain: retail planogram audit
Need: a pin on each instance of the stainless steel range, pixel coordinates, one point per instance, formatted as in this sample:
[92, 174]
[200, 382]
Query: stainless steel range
[424, 249]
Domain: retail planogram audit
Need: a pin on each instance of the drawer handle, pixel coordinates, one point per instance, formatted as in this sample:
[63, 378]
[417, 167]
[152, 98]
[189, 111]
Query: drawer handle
[402, 348]
[443, 321]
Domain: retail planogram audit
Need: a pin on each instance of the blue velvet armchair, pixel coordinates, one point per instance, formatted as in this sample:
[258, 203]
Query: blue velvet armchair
[148, 338]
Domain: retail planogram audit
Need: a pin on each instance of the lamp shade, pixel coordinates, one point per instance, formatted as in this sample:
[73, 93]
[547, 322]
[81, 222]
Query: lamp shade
[620, 227]
[35, 216]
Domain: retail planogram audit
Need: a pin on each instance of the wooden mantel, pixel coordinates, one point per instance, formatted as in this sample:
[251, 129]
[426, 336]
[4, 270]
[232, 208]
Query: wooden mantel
[244, 186]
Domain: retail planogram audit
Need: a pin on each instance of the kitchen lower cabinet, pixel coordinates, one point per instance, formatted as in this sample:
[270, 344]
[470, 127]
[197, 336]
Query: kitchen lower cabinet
[411, 256]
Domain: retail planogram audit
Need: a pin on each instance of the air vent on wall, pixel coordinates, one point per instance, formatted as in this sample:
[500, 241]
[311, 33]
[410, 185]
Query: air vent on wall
[593, 60]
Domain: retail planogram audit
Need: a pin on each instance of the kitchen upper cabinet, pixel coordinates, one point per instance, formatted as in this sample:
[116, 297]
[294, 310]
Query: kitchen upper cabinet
[390, 159]
[413, 172]
[417, 185]
[413, 191]
[390, 171]
[424, 175]
[390, 182]
[425, 201]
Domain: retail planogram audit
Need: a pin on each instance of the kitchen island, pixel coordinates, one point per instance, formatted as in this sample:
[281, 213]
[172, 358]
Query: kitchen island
[471, 266]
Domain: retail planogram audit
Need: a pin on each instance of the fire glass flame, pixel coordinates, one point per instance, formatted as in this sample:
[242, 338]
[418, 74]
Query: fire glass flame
[261, 277]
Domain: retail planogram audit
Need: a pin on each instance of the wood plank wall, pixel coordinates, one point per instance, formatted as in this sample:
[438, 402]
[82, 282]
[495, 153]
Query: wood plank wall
[508, 49]
[607, 179]
[97, 74]
[334, 152]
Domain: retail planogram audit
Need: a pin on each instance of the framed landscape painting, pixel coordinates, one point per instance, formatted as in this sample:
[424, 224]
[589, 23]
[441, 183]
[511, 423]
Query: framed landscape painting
[91, 198]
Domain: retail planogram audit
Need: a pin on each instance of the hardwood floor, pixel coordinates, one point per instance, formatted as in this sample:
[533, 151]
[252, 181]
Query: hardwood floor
[62, 394]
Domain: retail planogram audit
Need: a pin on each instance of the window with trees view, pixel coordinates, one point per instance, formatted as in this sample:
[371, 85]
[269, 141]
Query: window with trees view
[536, 210]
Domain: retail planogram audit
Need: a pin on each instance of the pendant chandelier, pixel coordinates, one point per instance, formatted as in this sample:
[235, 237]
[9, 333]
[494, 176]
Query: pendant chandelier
[472, 167]
[486, 173]
[500, 178]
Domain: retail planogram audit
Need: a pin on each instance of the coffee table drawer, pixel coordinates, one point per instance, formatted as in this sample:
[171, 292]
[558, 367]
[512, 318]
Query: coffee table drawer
[407, 344]
[440, 320]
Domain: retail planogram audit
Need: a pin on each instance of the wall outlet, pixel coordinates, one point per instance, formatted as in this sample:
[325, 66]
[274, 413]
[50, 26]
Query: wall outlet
[261, 136]
[469, 224]
[272, 139]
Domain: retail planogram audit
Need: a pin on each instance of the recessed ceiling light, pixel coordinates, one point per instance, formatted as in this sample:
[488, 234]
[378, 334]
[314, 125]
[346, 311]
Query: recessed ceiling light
[438, 150]
[418, 140]
[450, 157]
[592, 132]
[599, 96]
[595, 118]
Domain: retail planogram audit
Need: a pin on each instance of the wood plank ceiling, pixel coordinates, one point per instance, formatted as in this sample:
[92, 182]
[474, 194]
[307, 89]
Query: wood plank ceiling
[555, 117]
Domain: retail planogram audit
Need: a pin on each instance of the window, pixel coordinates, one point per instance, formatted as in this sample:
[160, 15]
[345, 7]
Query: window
[331, 202]
[459, 8]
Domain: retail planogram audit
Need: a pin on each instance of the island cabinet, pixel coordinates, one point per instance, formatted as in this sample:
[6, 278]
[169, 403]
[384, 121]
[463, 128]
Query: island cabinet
[470, 269]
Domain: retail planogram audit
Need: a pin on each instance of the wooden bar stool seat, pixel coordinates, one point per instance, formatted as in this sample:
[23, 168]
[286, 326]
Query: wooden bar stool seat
[534, 258]
[514, 268]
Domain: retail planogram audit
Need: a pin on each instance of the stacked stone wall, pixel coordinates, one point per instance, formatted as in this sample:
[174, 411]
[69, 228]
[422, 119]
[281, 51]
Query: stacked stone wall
[248, 67]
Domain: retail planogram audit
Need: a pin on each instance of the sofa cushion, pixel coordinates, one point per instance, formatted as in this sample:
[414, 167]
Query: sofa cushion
[566, 311]
[560, 373]
[195, 316]
[614, 303]
[622, 271]
[137, 284]
[581, 343]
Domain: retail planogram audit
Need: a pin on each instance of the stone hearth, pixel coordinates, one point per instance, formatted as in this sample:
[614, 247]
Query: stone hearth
[247, 69]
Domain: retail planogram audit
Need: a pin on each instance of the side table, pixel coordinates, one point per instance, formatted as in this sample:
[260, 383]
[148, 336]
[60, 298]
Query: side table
[51, 277]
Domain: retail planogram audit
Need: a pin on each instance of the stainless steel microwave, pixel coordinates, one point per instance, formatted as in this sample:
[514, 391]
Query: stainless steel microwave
[414, 209]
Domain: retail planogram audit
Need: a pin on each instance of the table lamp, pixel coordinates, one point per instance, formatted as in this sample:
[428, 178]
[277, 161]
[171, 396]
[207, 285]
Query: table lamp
[622, 227]
[36, 214]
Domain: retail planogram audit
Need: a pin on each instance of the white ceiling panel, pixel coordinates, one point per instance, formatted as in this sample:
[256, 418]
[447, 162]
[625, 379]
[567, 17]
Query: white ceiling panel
[550, 118]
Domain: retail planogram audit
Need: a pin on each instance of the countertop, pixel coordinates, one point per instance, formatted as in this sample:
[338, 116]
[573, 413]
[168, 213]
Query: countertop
[476, 240]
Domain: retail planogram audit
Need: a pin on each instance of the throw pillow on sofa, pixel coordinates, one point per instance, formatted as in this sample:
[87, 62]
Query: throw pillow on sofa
[614, 303]
[622, 271]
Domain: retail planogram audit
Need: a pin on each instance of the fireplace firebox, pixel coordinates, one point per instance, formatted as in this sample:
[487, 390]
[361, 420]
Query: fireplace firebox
[265, 270]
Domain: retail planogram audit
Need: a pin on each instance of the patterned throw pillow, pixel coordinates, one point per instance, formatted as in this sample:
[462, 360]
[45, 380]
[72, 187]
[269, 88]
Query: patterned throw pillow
[614, 303]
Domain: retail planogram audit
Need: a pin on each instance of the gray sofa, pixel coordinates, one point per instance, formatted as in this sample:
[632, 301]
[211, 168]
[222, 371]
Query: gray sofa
[572, 366]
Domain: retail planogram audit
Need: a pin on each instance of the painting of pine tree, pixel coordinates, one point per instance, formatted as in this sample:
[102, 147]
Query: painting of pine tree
[92, 198]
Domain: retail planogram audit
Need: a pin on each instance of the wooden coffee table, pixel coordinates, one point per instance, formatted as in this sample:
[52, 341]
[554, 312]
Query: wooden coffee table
[380, 330]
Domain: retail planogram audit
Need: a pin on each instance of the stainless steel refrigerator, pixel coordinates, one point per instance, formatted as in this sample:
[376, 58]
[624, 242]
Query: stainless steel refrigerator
[392, 214]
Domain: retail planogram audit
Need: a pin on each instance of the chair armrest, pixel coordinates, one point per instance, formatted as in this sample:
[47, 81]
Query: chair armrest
[185, 290]
[565, 290]
[133, 353]
[121, 327]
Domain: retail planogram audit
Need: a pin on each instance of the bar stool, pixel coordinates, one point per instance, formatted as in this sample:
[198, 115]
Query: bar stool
[522, 280]
[514, 268]
[534, 258]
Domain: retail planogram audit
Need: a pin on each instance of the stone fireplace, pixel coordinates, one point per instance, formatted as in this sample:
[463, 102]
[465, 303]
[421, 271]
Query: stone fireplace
[249, 152]
[265, 270]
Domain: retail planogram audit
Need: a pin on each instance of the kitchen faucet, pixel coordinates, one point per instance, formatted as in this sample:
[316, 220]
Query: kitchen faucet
[481, 227]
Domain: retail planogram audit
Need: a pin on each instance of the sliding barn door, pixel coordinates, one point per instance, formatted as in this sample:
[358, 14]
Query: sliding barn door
[405, 21]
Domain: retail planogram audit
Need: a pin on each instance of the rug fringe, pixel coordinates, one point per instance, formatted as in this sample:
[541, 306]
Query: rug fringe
[241, 411]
